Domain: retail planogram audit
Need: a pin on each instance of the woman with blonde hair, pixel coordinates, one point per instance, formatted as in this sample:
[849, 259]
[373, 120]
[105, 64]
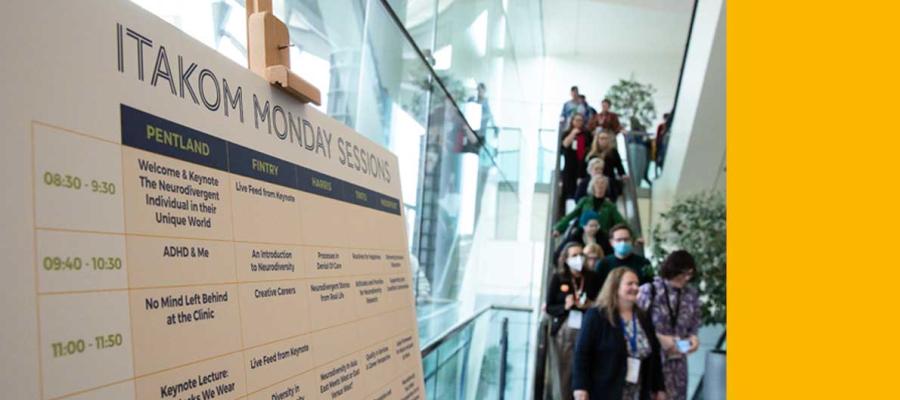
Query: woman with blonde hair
[617, 354]
[592, 255]
[594, 168]
[604, 148]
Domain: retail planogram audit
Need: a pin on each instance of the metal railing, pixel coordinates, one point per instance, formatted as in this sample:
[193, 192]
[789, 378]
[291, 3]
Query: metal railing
[504, 351]
[429, 347]
[448, 359]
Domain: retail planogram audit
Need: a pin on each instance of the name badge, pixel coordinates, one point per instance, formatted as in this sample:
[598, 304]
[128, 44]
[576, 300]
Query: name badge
[575, 145]
[574, 320]
[634, 369]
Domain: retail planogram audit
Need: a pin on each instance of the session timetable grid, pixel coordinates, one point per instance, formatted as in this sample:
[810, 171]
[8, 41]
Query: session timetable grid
[177, 265]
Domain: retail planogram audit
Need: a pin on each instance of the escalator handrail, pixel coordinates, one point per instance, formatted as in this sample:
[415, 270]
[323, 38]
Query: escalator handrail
[542, 333]
[633, 211]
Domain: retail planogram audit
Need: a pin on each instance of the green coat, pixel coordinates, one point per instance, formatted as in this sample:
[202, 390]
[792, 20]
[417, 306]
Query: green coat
[609, 214]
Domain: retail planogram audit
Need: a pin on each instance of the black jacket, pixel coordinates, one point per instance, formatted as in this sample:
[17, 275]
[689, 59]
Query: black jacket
[582, 189]
[636, 262]
[614, 169]
[600, 358]
[562, 286]
[576, 167]
[612, 164]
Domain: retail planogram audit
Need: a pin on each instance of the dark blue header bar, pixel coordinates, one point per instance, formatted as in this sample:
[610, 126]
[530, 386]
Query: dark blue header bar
[157, 135]
[253, 164]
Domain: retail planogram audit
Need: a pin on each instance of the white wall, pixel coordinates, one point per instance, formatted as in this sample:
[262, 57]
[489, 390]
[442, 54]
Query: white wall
[696, 155]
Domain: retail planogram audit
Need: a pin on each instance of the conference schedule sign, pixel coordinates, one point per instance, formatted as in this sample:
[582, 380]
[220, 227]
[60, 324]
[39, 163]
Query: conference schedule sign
[175, 228]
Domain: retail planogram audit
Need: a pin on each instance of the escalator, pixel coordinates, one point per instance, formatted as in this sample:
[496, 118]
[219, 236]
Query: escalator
[628, 205]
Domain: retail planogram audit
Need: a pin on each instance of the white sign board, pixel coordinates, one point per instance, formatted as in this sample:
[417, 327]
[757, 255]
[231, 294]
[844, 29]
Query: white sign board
[173, 227]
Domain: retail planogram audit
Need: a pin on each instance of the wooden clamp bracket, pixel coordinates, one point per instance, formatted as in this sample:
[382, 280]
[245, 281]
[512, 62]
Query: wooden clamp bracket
[268, 52]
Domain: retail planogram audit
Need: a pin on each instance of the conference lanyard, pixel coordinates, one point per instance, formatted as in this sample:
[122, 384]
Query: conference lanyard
[632, 339]
[673, 315]
[580, 286]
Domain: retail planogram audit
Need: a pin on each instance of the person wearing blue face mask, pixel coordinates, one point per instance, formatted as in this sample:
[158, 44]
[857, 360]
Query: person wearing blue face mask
[622, 242]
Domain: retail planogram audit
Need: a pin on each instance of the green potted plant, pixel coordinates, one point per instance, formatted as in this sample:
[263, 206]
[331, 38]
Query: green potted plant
[633, 101]
[697, 224]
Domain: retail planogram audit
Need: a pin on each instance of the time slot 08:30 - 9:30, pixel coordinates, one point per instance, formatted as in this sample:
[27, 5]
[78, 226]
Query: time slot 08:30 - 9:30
[67, 181]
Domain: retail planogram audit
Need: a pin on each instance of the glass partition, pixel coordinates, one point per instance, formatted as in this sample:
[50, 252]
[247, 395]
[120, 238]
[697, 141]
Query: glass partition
[406, 74]
[546, 165]
[469, 363]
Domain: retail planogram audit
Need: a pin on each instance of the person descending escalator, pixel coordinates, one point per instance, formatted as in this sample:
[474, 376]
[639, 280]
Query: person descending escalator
[572, 291]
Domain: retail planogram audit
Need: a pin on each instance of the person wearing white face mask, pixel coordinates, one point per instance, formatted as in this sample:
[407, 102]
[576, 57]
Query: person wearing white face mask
[622, 242]
[572, 290]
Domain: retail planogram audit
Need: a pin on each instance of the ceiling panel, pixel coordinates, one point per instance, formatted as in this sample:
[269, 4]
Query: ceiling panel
[612, 27]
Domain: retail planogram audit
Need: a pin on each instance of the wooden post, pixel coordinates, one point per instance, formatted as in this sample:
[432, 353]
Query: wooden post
[268, 52]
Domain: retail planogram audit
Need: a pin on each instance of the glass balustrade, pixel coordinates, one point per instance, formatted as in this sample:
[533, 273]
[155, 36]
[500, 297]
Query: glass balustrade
[483, 356]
